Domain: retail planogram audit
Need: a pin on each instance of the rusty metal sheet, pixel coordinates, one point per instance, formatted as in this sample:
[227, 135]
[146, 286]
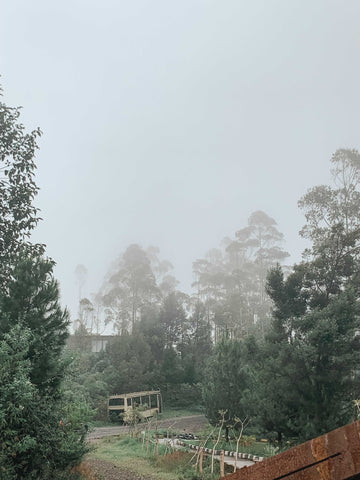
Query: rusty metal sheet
[333, 456]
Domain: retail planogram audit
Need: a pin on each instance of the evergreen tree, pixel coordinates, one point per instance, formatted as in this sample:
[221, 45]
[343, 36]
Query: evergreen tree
[33, 327]
[34, 444]
[173, 320]
[198, 347]
[308, 379]
[32, 297]
[310, 376]
[228, 382]
[153, 333]
[128, 363]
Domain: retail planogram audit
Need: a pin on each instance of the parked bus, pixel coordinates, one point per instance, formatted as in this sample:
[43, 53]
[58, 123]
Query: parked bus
[150, 403]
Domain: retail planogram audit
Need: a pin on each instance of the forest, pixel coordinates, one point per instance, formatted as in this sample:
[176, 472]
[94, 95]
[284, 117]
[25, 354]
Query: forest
[274, 343]
[258, 340]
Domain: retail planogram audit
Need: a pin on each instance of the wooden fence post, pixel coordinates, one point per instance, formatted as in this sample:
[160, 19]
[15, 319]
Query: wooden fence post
[201, 462]
[222, 468]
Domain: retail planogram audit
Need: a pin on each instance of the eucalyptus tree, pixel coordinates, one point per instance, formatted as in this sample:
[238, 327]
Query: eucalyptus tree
[130, 286]
[333, 227]
[214, 283]
[263, 243]
[136, 282]
[313, 348]
[325, 206]
[161, 270]
[231, 282]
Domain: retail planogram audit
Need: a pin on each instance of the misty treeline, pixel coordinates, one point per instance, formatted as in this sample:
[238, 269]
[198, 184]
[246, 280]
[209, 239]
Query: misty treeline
[164, 336]
[276, 345]
[229, 287]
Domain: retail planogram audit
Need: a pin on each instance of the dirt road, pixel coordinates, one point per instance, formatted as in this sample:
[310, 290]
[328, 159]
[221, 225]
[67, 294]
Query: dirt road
[190, 424]
[101, 470]
[95, 469]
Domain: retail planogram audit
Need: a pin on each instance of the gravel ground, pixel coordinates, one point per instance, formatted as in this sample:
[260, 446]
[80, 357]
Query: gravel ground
[103, 470]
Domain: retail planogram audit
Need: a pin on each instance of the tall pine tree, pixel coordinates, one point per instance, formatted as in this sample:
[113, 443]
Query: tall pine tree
[33, 326]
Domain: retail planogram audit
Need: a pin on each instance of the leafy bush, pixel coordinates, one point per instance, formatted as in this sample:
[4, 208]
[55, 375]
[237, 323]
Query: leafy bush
[34, 445]
[182, 395]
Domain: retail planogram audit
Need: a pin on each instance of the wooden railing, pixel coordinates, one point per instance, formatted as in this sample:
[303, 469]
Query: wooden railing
[333, 456]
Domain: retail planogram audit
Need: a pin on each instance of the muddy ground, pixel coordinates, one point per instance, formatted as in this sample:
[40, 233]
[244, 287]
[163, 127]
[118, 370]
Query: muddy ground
[102, 470]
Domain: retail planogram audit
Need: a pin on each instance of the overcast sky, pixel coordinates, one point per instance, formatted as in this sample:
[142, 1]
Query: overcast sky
[169, 122]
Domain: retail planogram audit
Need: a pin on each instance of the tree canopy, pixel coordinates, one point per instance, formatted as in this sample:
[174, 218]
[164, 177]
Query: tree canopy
[18, 215]
[33, 326]
[304, 373]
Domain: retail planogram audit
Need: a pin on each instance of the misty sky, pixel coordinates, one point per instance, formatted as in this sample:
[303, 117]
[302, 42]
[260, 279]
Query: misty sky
[168, 122]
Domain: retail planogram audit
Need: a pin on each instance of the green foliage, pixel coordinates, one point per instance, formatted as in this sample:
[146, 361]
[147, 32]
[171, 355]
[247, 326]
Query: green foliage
[298, 379]
[130, 453]
[182, 395]
[301, 380]
[310, 376]
[32, 296]
[33, 444]
[128, 358]
[173, 319]
[147, 359]
[309, 379]
[163, 336]
[33, 327]
[227, 382]
[18, 215]
[327, 206]
[198, 346]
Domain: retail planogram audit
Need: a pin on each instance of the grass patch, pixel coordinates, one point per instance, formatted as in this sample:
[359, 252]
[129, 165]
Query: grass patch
[101, 423]
[180, 412]
[180, 465]
[130, 453]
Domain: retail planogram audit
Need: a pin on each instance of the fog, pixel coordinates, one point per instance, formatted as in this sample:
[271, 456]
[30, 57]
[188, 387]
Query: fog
[168, 122]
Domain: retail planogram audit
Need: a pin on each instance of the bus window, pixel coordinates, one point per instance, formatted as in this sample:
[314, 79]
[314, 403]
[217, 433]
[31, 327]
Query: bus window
[116, 401]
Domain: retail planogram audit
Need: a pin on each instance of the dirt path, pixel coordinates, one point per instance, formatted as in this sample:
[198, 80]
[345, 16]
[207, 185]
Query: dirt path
[190, 424]
[102, 470]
